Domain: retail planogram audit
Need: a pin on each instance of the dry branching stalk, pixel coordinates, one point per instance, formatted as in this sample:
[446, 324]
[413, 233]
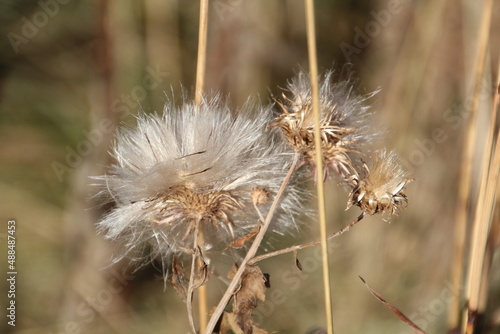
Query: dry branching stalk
[252, 250]
[295, 248]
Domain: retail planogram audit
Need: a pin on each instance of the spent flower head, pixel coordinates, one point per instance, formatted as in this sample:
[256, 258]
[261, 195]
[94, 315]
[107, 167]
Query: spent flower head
[379, 188]
[344, 121]
[196, 165]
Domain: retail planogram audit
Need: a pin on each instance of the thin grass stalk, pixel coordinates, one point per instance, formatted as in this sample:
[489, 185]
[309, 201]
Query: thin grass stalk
[200, 87]
[493, 200]
[251, 251]
[201, 62]
[313, 69]
[464, 192]
[481, 232]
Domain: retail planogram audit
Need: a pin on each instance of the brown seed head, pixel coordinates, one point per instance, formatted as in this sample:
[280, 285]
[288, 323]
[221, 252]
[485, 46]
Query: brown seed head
[190, 205]
[343, 122]
[380, 188]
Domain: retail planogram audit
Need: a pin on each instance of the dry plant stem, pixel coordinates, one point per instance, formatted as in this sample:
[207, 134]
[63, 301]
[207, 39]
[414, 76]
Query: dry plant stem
[491, 201]
[200, 85]
[191, 287]
[308, 244]
[463, 201]
[481, 228]
[313, 69]
[477, 250]
[251, 252]
[202, 51]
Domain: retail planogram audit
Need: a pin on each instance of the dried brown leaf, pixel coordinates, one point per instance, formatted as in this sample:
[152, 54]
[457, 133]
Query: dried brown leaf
[398, 313]
[251, 291]
[297, 262]
[229, 325]
[202, 273]
[267, 280]
[179, 280]
[232, 271]
[240, 242]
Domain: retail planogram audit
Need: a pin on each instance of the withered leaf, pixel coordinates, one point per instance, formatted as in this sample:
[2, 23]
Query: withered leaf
[398, 313]
[267, 280]
[230, 326]
[297, 262]
[179, 280]
[251, 291]
[202, 272]
[240, 242]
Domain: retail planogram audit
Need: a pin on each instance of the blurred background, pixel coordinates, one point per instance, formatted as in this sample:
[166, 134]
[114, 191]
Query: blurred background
[70, 71]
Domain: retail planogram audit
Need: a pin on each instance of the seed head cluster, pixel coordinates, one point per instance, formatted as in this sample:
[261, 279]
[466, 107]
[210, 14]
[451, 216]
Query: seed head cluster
[196, 165]
[207, 167]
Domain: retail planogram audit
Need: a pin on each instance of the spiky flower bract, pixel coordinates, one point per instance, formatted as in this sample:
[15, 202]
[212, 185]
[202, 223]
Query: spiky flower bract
[195, 164]
[380, 186]
[344, 121]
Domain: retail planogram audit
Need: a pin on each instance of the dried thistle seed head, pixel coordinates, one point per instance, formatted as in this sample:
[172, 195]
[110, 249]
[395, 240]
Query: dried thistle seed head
[196, 164]
[380, 187]
[344, 121]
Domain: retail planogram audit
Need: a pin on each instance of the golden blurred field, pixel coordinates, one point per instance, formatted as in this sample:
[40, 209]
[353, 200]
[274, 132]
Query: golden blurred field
[71, 70]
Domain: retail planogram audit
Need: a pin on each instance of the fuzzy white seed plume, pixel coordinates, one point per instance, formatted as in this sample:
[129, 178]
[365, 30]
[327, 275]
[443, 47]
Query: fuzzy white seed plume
[196, 164]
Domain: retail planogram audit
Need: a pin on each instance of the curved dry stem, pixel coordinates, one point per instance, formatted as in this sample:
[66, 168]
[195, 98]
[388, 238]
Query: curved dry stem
[251, 252]
[308, 244]
[191, 287]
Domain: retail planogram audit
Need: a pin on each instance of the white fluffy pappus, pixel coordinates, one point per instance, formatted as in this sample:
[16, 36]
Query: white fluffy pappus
[196, 164]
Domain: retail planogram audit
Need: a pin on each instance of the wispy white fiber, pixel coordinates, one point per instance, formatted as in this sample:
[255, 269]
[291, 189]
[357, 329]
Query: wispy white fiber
[195, 163]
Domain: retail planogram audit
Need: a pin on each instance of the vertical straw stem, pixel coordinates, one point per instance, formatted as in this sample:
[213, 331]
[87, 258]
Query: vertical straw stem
[464, 191]
[200, 87]
[202, 51]
[313, 69]
[478, 263]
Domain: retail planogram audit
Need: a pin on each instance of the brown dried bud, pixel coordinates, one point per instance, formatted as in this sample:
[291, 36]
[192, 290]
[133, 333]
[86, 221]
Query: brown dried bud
[380, 188]
[260, 195]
